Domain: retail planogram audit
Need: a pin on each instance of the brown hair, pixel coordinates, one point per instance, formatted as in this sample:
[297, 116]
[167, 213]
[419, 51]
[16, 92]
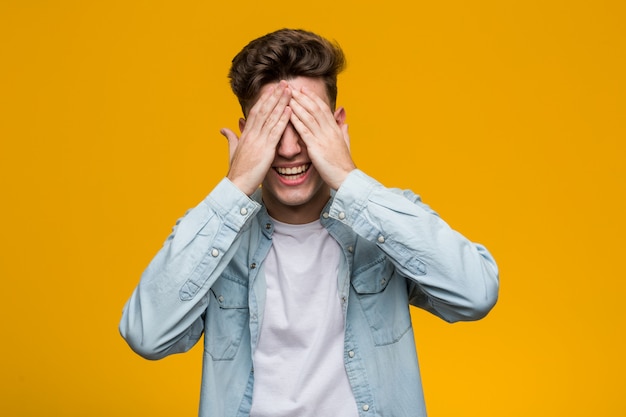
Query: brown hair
[284, 54]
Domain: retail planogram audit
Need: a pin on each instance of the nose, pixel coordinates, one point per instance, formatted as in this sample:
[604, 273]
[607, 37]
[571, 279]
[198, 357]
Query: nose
[290, 144]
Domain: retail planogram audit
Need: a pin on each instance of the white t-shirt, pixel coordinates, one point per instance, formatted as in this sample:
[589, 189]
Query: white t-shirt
[298, 361]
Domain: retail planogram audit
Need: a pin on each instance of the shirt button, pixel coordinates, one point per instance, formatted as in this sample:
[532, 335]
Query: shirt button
[351, 354]
[243, 211]
[220, 299]
[381, 239]
[350, 249]
[342, 215]
[215, 253]
[268, 226]
[253, 266]
[366, 407]
[325, 215]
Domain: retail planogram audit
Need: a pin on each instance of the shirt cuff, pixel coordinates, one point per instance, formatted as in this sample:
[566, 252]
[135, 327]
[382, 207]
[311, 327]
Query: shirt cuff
[231, 204]
[352, 197]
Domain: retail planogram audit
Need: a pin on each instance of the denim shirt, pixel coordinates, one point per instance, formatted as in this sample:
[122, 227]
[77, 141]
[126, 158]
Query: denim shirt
[208, 280]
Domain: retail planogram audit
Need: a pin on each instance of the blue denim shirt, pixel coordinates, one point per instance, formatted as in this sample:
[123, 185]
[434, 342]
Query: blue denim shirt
[208, 279]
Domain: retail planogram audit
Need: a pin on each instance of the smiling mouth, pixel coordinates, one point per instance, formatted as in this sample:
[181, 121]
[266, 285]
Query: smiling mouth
[292, 173]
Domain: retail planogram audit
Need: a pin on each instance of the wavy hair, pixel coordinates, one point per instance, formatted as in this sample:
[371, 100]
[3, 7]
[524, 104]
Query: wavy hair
[285, 54]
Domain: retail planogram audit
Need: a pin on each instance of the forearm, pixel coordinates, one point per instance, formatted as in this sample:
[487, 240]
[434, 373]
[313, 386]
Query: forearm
[164, 313]
[450, 276]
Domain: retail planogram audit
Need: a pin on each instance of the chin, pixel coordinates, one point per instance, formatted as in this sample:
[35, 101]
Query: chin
[294, 199]
[311, 198]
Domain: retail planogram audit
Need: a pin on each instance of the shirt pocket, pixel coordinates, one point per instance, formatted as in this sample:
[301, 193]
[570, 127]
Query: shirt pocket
[226, 318]
[383, 297]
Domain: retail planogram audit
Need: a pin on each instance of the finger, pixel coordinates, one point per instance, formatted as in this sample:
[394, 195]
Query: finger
[301, 128]
[303, 103]
[277, 130]
[314, 113]
[265, 105]
[233, 141]
[314, 104]
[275, 122]
[304, 122]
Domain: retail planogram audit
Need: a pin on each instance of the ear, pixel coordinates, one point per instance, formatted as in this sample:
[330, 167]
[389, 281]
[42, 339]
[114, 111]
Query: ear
[340, 116]
[242, 124]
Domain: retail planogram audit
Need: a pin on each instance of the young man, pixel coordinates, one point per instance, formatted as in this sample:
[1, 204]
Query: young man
[301, 287]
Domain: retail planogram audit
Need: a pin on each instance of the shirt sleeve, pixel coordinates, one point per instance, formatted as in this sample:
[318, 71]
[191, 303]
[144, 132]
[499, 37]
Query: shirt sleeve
[448, 275]
[164, 313]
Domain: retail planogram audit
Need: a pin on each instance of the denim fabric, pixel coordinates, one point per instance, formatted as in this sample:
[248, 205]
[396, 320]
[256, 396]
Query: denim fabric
[208, 280]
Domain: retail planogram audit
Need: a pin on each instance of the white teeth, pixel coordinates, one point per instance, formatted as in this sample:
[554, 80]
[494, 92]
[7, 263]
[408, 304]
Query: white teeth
[292, 171]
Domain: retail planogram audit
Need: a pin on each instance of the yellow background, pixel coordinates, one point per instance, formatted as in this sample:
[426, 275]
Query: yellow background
[508, 117]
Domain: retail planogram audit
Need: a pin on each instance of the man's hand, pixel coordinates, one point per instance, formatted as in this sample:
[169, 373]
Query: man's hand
[251, 155]
[325, 135]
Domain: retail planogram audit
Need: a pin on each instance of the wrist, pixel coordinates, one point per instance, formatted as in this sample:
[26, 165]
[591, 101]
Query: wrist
[340, 179]
[242, 185]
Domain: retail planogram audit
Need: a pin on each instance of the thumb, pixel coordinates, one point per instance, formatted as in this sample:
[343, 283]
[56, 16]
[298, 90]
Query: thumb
[346, 135]
[233, 141]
